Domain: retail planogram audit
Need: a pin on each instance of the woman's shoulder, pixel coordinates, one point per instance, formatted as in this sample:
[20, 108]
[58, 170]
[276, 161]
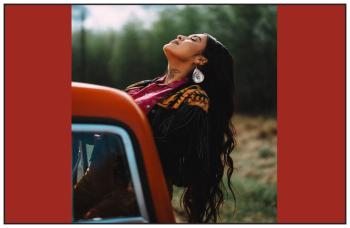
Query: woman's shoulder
[137, 84]
[140, 83]
[192, 95]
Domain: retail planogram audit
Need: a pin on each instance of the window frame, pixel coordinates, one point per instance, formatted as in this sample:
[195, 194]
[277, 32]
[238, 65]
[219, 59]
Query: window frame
[133, 168]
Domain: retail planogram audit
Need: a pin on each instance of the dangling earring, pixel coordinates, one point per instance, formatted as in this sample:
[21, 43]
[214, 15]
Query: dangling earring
[197, 76]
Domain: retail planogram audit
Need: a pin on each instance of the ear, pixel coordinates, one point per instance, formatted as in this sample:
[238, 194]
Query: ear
[200, 60]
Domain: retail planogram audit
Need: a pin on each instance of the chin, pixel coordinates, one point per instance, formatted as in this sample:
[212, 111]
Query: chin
[171, 52]
[167, 49]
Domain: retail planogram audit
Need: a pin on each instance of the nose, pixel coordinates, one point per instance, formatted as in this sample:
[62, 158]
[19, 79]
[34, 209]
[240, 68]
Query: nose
[180, 37]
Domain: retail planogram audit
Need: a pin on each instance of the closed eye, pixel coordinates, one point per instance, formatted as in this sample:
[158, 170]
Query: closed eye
[195, 38]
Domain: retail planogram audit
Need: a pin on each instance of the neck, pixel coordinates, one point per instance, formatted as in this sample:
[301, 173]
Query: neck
[177, 71]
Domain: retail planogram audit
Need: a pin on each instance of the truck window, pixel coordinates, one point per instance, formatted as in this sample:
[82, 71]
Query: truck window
[106, 182]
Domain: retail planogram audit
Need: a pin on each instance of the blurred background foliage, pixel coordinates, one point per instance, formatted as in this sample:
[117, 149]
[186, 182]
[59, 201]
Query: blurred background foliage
[119, 57]
[133, 53]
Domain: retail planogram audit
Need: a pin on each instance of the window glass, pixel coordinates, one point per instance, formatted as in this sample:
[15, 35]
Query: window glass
[103, 183]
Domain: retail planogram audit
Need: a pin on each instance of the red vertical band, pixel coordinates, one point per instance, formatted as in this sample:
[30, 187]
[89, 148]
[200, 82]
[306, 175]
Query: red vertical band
[38, 114]
[311, 114]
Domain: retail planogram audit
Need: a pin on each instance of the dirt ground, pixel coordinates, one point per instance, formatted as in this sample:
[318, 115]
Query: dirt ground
[255, 174]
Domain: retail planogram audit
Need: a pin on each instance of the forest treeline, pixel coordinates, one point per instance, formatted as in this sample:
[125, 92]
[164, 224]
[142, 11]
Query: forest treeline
[119, 58]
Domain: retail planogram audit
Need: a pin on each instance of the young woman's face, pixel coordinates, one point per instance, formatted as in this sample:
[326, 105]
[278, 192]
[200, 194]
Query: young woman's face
[186, 48]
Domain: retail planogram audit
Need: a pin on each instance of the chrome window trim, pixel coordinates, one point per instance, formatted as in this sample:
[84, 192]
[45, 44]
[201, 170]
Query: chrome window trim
[134, 172]
[115, 220]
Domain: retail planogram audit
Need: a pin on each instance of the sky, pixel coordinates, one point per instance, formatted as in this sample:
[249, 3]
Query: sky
[106, 17]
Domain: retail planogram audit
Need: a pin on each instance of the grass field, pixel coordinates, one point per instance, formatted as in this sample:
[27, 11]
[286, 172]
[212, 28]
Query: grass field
[255, 175]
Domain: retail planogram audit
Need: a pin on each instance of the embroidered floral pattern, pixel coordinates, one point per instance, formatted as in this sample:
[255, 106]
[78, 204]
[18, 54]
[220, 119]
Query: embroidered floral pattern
[192, 95]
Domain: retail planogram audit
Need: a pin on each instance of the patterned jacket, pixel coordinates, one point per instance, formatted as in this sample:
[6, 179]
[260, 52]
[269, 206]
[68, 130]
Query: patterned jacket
[180, 127]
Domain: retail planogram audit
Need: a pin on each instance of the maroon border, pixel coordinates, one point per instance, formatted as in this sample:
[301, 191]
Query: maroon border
[311, 114]
[37, 114]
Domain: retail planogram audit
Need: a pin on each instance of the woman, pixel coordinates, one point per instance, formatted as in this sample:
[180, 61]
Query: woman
[190, 109]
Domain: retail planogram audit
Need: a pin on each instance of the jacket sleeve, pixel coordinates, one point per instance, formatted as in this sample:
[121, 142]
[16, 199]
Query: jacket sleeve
[182, 140]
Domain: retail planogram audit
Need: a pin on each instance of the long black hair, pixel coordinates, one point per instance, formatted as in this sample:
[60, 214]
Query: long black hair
[203, 200]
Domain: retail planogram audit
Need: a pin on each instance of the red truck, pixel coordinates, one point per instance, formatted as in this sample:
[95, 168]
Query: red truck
[117, 176]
